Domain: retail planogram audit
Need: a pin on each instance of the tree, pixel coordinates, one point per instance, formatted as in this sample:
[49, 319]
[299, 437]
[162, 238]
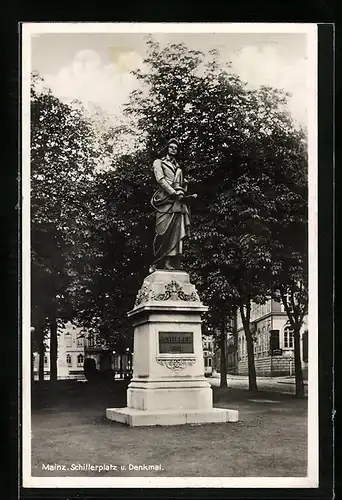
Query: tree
[38, 346]
[295, 299]
[216, 320]
[290, 248]
[39, 305]
[63, 159]
[119, 251]
[236, 142]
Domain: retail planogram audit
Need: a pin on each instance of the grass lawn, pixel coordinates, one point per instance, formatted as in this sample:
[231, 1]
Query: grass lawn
[69, 427]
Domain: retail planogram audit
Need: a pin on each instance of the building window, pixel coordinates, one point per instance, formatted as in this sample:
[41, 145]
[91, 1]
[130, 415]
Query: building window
[68, 340]
[274, 341]
[288, 338]
[91, 341]
[256, 341]
[80, 360]
[267, 339]
[263, 346]
[46, 360]
[80, 341]
[68, 359]
[207, 362]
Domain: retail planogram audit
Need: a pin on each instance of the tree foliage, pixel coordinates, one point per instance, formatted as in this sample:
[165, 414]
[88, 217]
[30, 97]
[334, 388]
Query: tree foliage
[63, 158]
[290, 256]
[120, 236]
[242, 153]
[92, 231]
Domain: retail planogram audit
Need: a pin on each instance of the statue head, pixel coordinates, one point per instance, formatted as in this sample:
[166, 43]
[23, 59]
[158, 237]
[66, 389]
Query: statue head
[172, 147]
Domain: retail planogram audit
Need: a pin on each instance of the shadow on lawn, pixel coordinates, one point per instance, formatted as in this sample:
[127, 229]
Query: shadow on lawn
[71, 395]
[74, 395]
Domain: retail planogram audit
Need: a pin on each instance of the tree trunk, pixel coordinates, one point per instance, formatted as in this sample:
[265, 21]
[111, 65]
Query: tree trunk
[53, 347]
[300, 393]
[236, 344]
[245, 316]
[252, 382]
[223, 357]
[121, 367]
[41, 354]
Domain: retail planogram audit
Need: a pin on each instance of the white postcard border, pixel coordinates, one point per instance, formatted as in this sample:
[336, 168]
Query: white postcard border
[35, 29]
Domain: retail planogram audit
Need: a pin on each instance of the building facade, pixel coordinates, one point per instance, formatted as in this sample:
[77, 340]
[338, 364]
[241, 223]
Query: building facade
[273, 349]
[273, 341]
[70, 354]
[208, 354]
[74, 346]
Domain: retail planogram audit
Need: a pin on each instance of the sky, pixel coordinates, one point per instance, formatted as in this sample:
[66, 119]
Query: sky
[95, 67]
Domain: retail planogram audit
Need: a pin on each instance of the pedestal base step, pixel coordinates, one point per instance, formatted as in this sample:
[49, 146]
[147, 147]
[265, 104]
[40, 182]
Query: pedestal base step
[140, 418]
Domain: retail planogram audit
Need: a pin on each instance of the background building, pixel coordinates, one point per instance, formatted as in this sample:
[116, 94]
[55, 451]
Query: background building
[208, 354]
[70, 356]
[273, 341]
[273, 348]
[74, 346]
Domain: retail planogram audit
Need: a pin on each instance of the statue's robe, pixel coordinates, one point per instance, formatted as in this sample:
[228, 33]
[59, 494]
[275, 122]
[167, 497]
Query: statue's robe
[172, 215]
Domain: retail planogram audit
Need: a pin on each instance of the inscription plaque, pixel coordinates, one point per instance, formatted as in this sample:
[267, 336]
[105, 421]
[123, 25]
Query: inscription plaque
[176, 342]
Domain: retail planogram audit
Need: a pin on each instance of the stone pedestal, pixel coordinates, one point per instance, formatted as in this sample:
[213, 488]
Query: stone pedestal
[168, 385]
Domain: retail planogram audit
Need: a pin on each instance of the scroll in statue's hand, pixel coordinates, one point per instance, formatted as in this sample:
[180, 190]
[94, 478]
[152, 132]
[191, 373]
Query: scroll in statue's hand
[191, 196]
